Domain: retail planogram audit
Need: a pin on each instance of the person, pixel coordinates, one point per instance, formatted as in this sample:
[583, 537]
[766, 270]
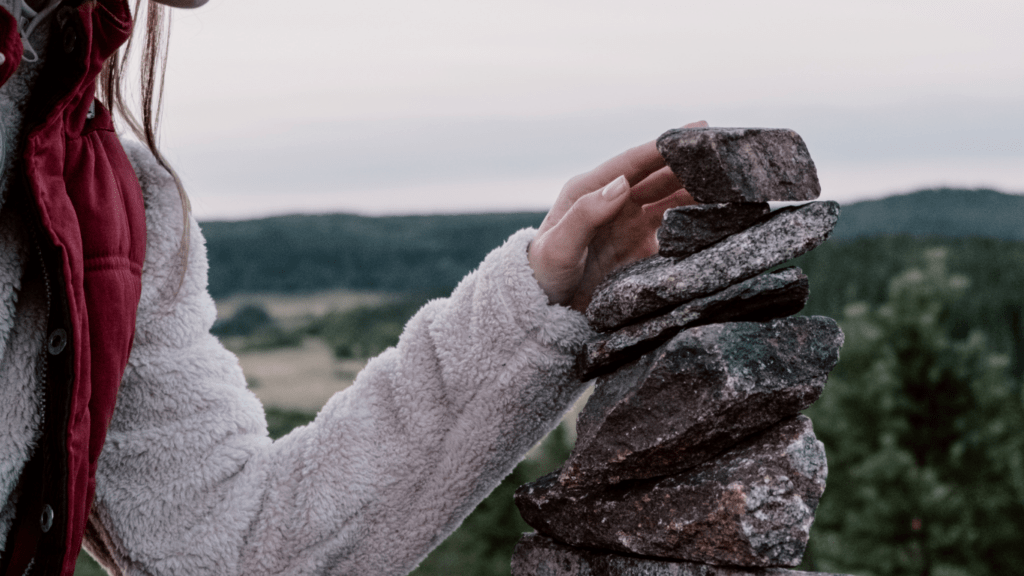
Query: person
[126, 425]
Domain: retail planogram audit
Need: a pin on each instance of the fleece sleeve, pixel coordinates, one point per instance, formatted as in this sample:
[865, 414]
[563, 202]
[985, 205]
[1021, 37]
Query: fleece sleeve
[190, 483]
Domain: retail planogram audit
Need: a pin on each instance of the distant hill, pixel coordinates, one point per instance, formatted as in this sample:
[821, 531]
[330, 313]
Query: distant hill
[944, 212]
[430, 254]
[426, 255]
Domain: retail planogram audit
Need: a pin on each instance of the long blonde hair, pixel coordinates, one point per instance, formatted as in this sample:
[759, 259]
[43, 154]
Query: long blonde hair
[153, 67]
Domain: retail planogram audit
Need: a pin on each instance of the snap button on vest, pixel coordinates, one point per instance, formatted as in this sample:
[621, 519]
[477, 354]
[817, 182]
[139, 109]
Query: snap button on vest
[46, 519]
[57, 341]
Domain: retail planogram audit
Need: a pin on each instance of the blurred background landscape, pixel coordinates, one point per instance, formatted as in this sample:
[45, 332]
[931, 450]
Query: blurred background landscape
[923, 419]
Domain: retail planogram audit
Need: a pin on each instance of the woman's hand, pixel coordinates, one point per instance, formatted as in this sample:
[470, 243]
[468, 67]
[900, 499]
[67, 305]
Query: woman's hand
[603, 220]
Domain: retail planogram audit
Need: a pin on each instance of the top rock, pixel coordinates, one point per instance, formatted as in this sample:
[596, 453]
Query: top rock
[741, 164]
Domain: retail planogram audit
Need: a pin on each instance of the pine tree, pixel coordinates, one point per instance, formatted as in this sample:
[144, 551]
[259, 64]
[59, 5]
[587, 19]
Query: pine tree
[925, 441]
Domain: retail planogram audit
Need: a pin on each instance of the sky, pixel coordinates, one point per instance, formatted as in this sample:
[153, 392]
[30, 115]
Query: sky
[404, 107]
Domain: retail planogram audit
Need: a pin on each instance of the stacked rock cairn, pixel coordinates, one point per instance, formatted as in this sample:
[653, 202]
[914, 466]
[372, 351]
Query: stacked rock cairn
[692, 457]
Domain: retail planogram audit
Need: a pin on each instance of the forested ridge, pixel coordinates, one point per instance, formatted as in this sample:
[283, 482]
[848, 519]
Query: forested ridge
[942, 212]
[430, 254]
[411, 254]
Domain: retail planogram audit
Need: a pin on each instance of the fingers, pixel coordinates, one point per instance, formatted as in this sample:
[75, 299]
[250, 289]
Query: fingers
[655, 187]
[654, 212]
[636, 164]
[662, 183]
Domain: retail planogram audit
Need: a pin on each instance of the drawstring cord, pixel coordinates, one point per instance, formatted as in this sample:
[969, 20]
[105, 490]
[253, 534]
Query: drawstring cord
[28, 20]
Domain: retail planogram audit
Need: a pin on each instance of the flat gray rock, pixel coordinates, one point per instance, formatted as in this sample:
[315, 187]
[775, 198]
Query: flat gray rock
[698, 394]
[659, 283]
[536, 555]
[761, 298]
[751, 506]
[741, 164]
[689, 229]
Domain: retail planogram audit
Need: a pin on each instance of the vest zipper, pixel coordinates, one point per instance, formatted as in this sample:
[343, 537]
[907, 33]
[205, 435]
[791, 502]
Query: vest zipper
[47, 289]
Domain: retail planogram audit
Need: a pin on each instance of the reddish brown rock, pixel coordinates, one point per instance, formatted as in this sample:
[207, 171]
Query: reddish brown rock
[741, 164]
[761, 298]
[656, 284]
[536, 555]
[689, 229]
[698, 394]
[751, 506]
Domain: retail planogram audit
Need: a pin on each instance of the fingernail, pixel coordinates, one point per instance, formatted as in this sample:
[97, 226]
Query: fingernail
[615, 188]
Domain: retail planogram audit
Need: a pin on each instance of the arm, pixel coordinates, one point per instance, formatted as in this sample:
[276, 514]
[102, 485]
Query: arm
[431, 427]
[189, 482]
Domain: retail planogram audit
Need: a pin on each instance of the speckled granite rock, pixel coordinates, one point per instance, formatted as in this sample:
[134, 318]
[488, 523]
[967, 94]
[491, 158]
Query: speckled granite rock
[698, 394]
[761, 298]
[751, 506]
[536, 555]
[658, 283]
[689, 229]
[741, 164]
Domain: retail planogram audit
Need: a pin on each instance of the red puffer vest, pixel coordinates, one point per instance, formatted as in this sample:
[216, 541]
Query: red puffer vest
[89, 242]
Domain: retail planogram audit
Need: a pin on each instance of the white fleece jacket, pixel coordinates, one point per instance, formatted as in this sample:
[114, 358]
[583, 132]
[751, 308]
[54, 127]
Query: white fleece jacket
[189, 483]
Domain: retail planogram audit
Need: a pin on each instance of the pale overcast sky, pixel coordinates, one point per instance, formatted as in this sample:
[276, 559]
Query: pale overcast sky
[400, 106]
